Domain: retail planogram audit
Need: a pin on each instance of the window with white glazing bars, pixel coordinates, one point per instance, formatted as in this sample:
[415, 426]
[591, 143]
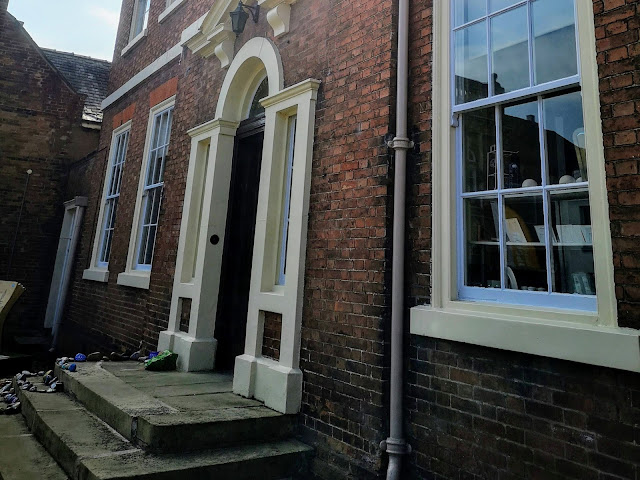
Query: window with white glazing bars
[153, 188]
[524, 221]
[114, 180]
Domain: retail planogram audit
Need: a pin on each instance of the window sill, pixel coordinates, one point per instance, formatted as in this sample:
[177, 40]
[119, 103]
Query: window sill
[135, 279]
[578, 342]
[134, 41]
[170, 9]
[96, 275]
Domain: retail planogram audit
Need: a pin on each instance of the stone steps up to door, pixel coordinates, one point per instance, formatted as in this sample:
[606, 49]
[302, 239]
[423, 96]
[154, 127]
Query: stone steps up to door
[171, 411]
[86, 447]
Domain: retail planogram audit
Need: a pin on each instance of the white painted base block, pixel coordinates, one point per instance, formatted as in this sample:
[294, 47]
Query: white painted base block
[279, 387]
[194, 354]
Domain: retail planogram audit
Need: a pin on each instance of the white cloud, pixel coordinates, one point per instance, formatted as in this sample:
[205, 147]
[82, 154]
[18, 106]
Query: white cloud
[109, 17]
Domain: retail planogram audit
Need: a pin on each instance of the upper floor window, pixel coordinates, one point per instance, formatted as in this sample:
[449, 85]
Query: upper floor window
[524, 219]
[140, 18]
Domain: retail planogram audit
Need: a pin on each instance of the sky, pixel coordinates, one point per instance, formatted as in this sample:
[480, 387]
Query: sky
[85, 27]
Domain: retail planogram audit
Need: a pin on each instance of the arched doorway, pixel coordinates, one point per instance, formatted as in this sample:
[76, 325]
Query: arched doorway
[280, 146]
[235, 276]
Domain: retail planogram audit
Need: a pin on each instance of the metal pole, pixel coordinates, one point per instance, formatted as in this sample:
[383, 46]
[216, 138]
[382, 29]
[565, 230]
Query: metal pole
[15, 237]
[395, 445]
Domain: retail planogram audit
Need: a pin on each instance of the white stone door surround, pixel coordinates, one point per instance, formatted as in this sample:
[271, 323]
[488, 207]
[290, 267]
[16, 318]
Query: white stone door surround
[197, 276]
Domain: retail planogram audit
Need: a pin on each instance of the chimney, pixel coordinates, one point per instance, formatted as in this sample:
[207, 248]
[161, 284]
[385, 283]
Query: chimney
[4, 5]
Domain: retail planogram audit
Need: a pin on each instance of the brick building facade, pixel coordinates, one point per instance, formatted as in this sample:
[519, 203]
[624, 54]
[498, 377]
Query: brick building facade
[515, 410]
[42, 130]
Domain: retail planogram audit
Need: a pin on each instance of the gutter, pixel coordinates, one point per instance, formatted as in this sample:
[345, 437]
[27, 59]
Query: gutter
[395, 445]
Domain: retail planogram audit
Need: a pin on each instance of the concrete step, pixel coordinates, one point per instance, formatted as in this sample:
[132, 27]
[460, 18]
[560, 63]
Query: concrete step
[170, 411]
[21, 455]
[88, 449]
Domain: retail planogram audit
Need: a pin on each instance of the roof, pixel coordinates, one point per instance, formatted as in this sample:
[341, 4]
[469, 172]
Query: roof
[88, 76]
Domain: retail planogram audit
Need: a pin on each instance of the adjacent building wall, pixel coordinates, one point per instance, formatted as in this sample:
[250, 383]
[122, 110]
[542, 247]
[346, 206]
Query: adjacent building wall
[40, 130]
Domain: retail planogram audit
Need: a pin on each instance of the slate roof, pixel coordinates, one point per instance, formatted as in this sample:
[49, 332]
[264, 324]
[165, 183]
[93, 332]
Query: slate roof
[88, 76]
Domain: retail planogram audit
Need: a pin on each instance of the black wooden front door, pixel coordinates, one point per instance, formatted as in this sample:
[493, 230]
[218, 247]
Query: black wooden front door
[233, 298]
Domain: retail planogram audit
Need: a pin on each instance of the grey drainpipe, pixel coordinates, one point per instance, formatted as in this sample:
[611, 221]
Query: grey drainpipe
[395, 445]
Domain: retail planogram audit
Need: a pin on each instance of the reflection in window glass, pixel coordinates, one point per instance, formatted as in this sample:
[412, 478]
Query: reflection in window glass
[564, 135]
[479, 147]
[483, 251]
[573, 270]
[495, 5]
[521, 145]
[510, 51]
[468, 10]
[554, 40]
[471, 62]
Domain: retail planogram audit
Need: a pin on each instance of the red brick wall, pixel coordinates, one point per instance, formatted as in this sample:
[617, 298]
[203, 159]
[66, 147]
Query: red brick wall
[348, 46]
[474, 412]
[39, 130]
[618, 46]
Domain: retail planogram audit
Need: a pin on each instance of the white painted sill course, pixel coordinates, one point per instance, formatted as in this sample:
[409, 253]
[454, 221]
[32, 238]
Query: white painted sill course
[606, 346]
[170, 9]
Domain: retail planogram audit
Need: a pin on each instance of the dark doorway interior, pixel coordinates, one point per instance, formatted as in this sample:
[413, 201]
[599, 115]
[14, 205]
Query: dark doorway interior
[233, 298]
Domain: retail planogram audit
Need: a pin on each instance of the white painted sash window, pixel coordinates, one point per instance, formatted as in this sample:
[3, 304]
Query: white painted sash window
[140, 18]
[532, 116]
[153, 188]
[522, 182]
[114, 180]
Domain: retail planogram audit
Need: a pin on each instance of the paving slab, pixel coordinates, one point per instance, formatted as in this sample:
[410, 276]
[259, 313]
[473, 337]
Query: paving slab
[192, 389]
[21, 456]
[208, 401]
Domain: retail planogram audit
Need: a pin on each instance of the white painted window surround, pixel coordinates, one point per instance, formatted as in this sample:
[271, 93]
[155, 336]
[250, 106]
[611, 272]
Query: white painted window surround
[591, 337]
[99, 271]
[172, 7]
[150, 185]
[201, 243]
[134, 41]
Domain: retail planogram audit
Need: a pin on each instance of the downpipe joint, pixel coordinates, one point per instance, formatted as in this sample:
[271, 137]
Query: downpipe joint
[400, 143]
[395, 448]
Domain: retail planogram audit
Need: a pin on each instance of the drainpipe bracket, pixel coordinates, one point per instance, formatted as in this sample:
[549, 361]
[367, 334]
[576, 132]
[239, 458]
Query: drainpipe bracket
[395, 446]
[400, 143]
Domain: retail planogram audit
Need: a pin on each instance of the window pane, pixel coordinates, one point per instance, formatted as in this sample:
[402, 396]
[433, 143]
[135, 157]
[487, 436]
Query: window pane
[483, 251]
[572, 244]
[510, 51]
[468, 10]
[554, 40]
[143, 244]
[478, 146]
[526, 258]
[521, 145]
[495, 5]
[148, 252]
[471, 62]
[155, 204]
[564, 132]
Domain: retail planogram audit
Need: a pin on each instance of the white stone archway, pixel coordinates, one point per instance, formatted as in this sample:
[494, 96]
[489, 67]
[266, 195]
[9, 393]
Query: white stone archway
[197, 277]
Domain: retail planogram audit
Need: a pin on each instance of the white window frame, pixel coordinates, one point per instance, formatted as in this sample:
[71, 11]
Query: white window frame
[139, 15]
[577, 335]
[99, 270]
[138, 275]
[171, 7]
